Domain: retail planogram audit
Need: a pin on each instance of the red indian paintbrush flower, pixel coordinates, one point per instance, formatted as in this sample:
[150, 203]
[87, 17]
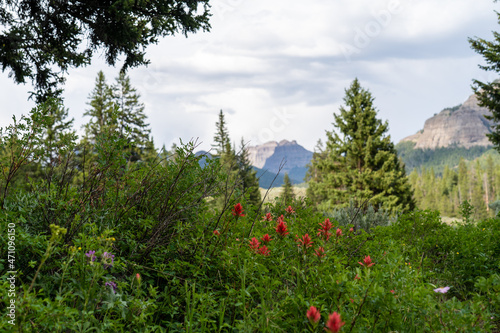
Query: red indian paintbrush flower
[267, 217]
[266, 238]
[351, 230]
[324, 230]
[305, 242]
[339, 232]
[367, 262]
[138, 277]
[289, 210]
[216, 233]
[334, 323]
[320, 252]
[238, 210]
[264, 251]
[313, 315]
[254, 244]
[281, 228]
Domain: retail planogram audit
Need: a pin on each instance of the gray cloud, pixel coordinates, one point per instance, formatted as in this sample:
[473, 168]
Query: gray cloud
[263, 60]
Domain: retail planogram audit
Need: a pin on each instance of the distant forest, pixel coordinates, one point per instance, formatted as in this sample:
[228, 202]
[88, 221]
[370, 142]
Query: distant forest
[444, 178]
[436, 158]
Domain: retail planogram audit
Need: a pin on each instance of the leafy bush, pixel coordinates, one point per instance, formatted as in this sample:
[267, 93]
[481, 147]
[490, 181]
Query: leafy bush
[361, 218]
[106, 245]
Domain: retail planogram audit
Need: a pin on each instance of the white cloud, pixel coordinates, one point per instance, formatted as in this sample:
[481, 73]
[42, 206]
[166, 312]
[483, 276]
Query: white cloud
[265, 57]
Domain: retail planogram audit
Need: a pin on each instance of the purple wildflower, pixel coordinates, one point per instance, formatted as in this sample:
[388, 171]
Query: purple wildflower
[443, 290]
[107, 259]
[91, 255]
[112, 285]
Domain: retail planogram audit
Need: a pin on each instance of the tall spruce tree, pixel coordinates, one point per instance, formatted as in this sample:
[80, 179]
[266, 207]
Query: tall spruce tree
[58, 129]
[248, 176]
[101, 112]
[131, 119]
[359, 162]
[221, 138]
[287, 194]
[116, 109]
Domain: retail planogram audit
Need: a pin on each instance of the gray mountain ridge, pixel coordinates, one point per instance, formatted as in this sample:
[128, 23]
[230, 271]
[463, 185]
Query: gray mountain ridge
[462, 126]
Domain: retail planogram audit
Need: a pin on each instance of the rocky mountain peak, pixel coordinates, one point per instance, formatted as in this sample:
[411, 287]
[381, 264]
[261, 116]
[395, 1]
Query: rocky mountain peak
[270, 155]
[464, 126]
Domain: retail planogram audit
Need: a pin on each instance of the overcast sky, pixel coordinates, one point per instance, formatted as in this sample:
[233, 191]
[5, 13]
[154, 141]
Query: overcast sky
[278, 69]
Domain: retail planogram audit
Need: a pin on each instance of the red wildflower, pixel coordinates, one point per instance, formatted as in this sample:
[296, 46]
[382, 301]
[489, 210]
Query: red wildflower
[325, 227]
[334, 323]
[351, 230]
[216, 232]
[254, 244]
[282, 228]
[290, 210]
[357, 277]
[264, 251]
[305, 242]
[320, 252]
[313, 315]
[280, 219]
[267, 217]
[339, 232]
[392, 291]
[266, 238]
[138, 277]
[238, 210]
[367, 262]
[352, 301]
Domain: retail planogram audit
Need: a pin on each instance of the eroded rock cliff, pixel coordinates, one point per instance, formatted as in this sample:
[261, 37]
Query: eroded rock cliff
[464, 126]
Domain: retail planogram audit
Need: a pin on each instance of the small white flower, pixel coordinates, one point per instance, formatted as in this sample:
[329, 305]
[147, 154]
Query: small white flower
[443, 290]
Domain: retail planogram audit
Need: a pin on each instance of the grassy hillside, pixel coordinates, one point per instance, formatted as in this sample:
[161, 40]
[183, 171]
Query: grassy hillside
[300, 191]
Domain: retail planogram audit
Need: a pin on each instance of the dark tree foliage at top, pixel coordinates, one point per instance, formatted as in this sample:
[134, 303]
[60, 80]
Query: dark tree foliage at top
[42, 39]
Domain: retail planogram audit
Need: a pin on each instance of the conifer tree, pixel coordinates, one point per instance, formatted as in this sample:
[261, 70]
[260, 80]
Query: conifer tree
[360, 162]
[463, 181]
[477, 199]
[248, 176]
[287, 194]
[221, 138]
[131, 119]
[488, 92]
[57, 141]
[58, 129]
[102, 117]
[116, 109]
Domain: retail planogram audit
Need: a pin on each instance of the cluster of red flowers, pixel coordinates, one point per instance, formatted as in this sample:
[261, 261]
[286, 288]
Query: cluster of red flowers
[324, 230]
[238, 210]
[281, 227]
[367, 262]
[320, 252]
[305, 242]
[282, 230]
[334, 323]
[266, 238]
[254, 246]
[267, 217]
